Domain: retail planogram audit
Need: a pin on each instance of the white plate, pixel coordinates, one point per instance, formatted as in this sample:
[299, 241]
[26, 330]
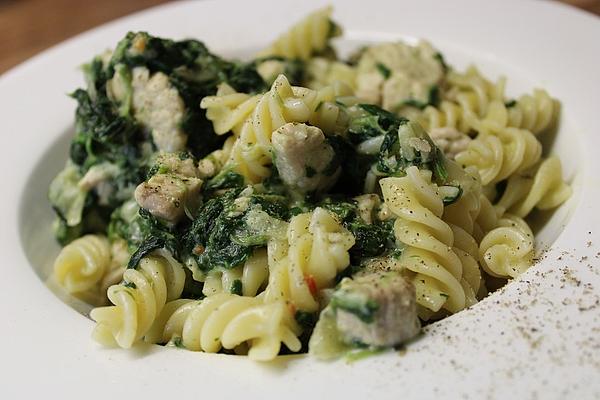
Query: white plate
[540, 336]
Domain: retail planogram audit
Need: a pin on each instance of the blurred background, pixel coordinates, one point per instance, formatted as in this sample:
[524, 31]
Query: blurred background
[29, 26]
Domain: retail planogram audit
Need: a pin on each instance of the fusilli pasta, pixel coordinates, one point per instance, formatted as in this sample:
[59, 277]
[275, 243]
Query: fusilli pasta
[228, 109]
[544, 189]
[138, 300]
[81, 264]
[282, 104]
[316, 250]
[507, 251]
[245, 279]
[428, 253]
[229, 321]
[306, 38]
[498, 152]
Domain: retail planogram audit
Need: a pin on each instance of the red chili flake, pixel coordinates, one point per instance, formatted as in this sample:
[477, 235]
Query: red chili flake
[292, 308]
[312, 285]
[199, 249]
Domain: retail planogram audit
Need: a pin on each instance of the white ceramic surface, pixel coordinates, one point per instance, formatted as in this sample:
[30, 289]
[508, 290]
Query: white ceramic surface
[537, 338]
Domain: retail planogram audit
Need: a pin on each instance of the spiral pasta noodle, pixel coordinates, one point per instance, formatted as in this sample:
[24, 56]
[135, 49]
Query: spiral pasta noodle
[536, 112]
[473, 92]
[282, 104]
[428, 254]
[306, 38]
[323, 72]
[544, 190]
[507, 251]
[316, 251]
[467, 250]
[81, 264]
[487, 218]
[446, 115]
[470, 97]
[228, 109]
[250, 277]
[138, 300]
[228, 321]
[466, 209]
[498, 152]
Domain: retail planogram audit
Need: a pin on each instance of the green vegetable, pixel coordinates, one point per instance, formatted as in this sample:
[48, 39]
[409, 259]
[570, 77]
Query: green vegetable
[66, 197]
[236, 287]
[440, 57]
[373, 121]
[155, 236]
[361, 353]
[371, 240]
[305, 319]
[225, 179]
[220, 237]
[410, 146]
[383, 70]
[450, 194]
[354, 303]
[354, 166]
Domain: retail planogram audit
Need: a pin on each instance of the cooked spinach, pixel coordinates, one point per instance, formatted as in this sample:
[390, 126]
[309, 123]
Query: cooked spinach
[397, 151]
[362, 307]
[383, 70]
[433, 99]
[225, 179]
[154, 235]
[220, 237]
[371, 240]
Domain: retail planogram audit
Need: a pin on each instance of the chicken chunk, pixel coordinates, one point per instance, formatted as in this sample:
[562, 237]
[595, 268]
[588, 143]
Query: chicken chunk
[158, 106]
[377, 309]
[449, 140]
[304, 159]
[176, 163]
[400, 88]
[390, 73]
[166, 196]
[367, 206]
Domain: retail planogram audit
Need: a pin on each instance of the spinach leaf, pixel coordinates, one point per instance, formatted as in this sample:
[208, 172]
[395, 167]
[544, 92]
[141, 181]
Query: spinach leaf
[404, 143]
[371, 240]
[220, 236]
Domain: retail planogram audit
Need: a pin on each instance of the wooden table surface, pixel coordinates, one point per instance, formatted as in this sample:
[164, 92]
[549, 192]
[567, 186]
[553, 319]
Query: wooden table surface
[29, 26]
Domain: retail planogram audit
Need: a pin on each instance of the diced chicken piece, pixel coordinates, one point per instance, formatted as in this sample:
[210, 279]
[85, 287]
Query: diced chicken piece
[377, 309]
[98, 174]
[369, 86]
[158, 106]
[304, 159]
[367, 204]
[166, 196]
[399, 88]
[449, 140]
[99, 179]
[210, 165]
[177, 164]
[390, 73]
